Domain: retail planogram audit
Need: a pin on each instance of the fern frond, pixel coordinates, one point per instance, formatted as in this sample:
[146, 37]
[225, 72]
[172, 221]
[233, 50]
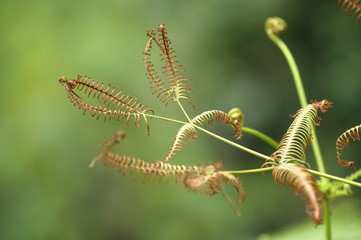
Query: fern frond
[323, 105]
[188, 132]
[185, 134]
[150, 170]
[177, 84]
[290, 158]
[352, 7]
[204, 182]
[343, 141]
[155, 81]
[295, 141]
[203, 179]
[220, 117]
[237, 184]
[302, 183]
[211, 180]
[122, 106]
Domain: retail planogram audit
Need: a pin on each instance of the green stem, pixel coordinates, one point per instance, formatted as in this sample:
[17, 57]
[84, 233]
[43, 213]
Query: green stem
[233, 143]
[300, 91]
[317, 152]
[184, 111]
[294, 69]
[261, 136]
[327, 213]
[325, 175]
[257, 170]
[339, 179]
[165, 119]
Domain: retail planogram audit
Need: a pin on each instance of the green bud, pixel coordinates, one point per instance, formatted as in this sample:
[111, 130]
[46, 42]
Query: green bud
[275, 25]
[237, 115]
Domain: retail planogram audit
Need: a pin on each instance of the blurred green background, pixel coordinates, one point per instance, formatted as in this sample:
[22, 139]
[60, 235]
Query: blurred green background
[47, 190]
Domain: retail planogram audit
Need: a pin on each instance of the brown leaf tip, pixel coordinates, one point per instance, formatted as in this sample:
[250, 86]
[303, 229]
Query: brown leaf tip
[324, 105]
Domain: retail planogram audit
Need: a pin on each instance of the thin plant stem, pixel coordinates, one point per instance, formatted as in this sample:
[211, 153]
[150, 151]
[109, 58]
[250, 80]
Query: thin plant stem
[257, 170]
[261, 136]
[327, 216]
[293, 66]
[317, 152]
[184, 111]
[300, 91]
[325, 175]
[332, 177]
[233, 143]
[230, 203]
[165, 119]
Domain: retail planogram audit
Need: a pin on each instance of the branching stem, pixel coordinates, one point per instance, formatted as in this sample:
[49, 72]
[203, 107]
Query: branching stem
[303, 101]
[183, 110]
[165, 119]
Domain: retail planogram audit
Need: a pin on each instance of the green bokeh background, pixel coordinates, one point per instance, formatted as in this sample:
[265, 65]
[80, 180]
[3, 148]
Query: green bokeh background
[47, 190]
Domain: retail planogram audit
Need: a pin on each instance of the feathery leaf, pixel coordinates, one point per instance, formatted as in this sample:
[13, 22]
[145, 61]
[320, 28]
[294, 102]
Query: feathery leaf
[302, 183]
[185, 134]
[150, 170]
[220, 117]
[290, 158]
[203, 179]
[211, 179]
[295, 141]
[188, 132]
[343, 141]
[177, 88]
[122, 106]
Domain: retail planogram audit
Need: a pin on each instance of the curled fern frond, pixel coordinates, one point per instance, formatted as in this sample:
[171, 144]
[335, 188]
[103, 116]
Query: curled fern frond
[323, 105]
[211, 179]
[188, 132]
[237, 115]
[122, 106]
[295, 141]
[150, 170]
[155, 80]
[237, 184]
[352, 7]
[220, 117]
[185, 134]
[343, 141]
[275, 25]
[203, 179]
[177, 84]
[302, 183]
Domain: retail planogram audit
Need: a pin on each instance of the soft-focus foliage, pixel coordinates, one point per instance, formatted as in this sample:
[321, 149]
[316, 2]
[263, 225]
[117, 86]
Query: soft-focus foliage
[46, 189]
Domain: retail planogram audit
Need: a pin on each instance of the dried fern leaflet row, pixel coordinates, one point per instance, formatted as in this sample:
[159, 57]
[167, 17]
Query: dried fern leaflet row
[122, 106]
